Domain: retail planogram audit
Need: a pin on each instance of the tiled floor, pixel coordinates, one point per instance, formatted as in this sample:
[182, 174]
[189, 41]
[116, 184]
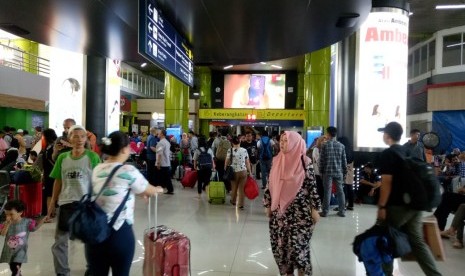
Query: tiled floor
[226, 241]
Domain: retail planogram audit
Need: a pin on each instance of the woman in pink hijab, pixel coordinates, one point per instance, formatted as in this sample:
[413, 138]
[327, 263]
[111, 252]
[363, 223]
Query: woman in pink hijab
[292, 204]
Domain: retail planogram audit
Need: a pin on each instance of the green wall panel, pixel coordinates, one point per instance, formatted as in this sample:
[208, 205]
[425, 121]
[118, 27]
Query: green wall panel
[21, 118]
[176, 102]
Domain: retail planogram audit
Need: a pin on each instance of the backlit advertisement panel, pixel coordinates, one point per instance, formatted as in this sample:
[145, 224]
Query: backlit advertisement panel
[113, 96]
[66, 87]
[381, 93]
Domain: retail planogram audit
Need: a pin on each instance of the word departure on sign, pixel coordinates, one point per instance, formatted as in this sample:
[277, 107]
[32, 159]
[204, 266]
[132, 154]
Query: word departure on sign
[160, 43]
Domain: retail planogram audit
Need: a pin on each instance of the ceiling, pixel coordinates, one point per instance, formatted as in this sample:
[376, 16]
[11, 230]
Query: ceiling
[220, 32]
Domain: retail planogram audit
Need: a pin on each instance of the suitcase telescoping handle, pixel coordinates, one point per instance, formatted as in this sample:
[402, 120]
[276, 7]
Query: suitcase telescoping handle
[214, 176]
[155, 215]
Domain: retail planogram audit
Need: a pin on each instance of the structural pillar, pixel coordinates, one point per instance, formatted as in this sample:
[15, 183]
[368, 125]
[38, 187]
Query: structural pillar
[176, 103]
[96, 75]
[204, 76]
[316, 87]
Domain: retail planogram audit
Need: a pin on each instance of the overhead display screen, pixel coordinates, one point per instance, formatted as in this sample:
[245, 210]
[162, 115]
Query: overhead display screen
[382, 76]
[162, 45]
[260, 91]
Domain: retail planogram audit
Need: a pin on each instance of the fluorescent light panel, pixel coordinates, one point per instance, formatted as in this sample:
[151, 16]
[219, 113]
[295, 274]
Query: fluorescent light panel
[263, 63]
[143, 64]
[276, 66]
[450, 7]
[228, 67]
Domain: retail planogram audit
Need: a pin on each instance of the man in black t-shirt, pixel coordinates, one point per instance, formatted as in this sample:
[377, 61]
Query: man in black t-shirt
[251, 146]
[391, 208]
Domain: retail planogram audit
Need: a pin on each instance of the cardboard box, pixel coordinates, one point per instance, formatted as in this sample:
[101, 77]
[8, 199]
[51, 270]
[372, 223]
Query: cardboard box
[432, 236]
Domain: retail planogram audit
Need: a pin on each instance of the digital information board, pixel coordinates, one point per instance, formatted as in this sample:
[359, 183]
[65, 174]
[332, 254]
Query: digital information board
[160, 43]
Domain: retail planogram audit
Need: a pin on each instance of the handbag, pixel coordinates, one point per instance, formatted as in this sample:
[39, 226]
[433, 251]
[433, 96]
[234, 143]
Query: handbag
[229, 171]
[251, 188]
[89, 223]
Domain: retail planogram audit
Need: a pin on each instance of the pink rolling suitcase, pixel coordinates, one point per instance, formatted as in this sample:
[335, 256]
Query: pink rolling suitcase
[167, 252]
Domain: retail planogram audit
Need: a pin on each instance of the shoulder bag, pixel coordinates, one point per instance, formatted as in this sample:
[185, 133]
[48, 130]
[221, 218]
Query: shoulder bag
[89, 223]
[229, 171]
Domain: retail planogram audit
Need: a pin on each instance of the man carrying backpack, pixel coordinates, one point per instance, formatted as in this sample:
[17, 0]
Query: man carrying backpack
[391, 207]
[203, 163]
[220, 156]
[265, 155]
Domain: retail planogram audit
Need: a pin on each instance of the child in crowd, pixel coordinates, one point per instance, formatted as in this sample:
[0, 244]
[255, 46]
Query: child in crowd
[16, 231]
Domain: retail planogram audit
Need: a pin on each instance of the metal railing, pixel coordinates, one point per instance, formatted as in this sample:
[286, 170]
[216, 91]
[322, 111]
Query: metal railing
[136, 81]
[18, 59]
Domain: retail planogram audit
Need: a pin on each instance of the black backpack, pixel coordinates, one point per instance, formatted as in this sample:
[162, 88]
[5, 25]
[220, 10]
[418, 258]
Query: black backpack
[14, 142]
[205, 160]
[420, 186]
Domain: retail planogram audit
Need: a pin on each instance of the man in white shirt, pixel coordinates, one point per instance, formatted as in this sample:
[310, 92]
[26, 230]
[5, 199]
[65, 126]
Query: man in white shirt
[163, 162]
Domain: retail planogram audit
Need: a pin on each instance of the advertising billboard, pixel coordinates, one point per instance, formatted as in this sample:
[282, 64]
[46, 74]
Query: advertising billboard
[260, 91]
[381, 85]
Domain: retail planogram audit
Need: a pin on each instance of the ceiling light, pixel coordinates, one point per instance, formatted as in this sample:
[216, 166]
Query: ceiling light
[196, 94]
[263, 63]
[410, 13]
[143, 64]
[227, 67]
[450, 7]
[276, 66]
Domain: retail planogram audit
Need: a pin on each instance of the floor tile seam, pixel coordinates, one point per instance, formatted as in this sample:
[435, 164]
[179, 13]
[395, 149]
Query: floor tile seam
[238, 243]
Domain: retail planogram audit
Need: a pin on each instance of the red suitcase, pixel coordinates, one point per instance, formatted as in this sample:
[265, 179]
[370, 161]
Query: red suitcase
[190, 178]
[31, 195]
[168, 254]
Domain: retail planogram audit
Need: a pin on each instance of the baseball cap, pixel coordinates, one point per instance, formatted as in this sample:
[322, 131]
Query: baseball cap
[393, 129]
[20, 131]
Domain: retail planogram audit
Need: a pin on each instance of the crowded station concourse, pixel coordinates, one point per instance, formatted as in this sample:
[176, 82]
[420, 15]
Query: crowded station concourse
[258, 139]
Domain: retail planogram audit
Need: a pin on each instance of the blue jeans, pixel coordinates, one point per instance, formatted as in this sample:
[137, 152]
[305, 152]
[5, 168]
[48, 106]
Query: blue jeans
[327, 185]
[265, 167]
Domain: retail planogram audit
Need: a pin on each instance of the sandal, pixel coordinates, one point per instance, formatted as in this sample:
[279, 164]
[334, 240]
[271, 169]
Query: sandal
[457, 244]
[447, 234]
[234, 204]
[241, 207]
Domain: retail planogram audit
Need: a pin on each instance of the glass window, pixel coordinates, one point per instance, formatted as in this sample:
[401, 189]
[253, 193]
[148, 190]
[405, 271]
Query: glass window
[410, 66]
[416, 63]
[452, 50]
[431, 55]
[423, 59]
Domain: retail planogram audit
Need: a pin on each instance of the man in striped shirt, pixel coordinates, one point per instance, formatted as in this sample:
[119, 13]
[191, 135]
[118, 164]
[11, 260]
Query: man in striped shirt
[333, 168]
